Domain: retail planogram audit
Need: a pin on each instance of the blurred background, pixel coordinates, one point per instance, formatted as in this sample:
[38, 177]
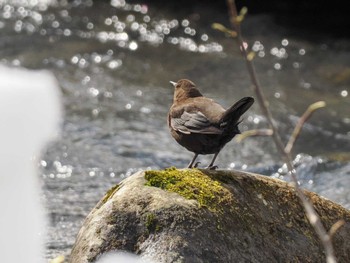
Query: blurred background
[114, 59]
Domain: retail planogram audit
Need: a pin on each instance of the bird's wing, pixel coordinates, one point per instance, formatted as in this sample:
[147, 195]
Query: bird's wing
[193, 122]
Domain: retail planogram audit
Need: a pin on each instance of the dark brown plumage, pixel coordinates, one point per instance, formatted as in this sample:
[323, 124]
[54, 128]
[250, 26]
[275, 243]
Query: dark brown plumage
[200, 124]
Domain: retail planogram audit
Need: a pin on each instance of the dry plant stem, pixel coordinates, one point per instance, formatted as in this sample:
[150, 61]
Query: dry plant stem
[250, 133]
[256, 85]
[309, 209]
[307, 114]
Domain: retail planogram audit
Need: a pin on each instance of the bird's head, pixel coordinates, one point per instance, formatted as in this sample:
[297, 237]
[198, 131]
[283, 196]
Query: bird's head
[184, 89]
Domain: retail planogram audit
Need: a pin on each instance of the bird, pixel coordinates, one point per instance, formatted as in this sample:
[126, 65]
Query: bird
[200, 124]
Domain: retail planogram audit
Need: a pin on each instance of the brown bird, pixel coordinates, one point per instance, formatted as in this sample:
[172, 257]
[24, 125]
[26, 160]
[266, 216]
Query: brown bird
[200, 124]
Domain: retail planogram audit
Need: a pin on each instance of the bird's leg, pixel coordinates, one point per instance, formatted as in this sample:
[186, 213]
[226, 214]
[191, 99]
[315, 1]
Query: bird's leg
[192, 162]
[211, 165]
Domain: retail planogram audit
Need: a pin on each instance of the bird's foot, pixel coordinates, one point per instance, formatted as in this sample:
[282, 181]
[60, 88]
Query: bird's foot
[193, 166]
[196, 164]
[212, 167]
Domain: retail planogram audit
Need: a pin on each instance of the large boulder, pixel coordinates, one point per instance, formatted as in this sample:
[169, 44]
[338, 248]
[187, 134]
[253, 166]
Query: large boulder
[196, 215]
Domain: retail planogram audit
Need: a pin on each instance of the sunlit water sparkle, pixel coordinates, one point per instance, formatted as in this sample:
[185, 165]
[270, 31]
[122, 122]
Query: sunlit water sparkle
[113, 62]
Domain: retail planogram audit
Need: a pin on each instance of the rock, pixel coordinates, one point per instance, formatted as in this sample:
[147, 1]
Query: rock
[208, 216]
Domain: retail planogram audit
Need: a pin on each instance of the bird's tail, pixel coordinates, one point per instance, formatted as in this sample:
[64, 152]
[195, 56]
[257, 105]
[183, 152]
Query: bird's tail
[233, 114]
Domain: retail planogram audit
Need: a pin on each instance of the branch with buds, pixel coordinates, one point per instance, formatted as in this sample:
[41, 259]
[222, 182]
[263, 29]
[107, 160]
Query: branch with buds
[236, 19]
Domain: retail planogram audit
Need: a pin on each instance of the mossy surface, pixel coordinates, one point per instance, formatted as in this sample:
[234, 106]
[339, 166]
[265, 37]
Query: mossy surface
[108, 195]
[191, 184]
[152, 223]
[255, 216]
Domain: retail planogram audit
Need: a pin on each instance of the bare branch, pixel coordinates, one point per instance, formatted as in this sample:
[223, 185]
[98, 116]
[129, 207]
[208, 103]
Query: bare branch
[250, 133]
[311, 214]
[224, 29]
[307, 114]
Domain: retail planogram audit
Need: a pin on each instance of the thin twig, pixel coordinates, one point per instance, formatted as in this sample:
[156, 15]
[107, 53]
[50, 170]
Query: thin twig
[307, 114]
[250, 133]
[256, 85]
[311, 214]
[222, 28]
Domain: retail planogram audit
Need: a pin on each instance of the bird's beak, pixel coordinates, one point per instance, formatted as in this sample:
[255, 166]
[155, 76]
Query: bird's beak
[172, 83]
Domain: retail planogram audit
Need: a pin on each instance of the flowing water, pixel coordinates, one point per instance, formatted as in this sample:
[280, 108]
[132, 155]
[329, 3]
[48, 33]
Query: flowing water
[113, 62]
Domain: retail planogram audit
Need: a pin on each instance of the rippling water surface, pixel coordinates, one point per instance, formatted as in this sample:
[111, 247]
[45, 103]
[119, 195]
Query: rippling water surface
[113, 62]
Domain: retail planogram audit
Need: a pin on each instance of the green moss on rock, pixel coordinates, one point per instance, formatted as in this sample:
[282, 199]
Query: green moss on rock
[191, 184]
[108, 195]
[152, 223]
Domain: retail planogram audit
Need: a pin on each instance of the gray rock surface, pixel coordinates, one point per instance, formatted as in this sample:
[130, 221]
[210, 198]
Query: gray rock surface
[257, 219]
